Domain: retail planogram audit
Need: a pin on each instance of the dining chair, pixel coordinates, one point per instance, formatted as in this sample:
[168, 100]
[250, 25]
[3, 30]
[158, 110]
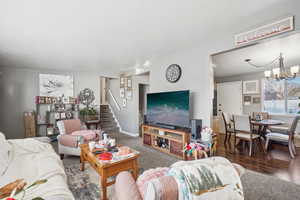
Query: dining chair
[285, 138]
[243, 130]
[228, 126]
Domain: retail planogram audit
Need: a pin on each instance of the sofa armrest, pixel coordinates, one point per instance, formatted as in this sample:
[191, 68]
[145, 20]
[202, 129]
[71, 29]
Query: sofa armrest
[70, 140]
[126, 188]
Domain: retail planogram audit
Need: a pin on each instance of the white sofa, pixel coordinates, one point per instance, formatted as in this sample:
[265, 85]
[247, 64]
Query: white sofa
[33, 160]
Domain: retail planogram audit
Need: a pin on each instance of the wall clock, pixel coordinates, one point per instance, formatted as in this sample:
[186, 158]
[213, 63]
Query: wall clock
[173, 73]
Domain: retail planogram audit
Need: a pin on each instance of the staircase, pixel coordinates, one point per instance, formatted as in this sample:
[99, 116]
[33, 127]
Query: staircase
[107, 121]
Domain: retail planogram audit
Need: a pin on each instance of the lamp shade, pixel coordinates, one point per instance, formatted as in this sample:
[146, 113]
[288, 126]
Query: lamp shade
[295, 69]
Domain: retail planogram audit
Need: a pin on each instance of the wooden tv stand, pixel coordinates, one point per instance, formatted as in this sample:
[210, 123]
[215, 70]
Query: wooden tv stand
[176, 139]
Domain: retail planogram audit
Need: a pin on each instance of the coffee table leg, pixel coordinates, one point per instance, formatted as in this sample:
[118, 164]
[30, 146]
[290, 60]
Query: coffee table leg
[81, 163]
[135, 169]
[103, 185]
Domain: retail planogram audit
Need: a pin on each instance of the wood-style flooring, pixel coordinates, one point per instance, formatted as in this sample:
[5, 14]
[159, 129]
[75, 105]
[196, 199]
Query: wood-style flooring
[276, 162]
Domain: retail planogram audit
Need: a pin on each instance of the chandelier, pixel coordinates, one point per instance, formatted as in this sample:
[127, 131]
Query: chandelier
[278, 72]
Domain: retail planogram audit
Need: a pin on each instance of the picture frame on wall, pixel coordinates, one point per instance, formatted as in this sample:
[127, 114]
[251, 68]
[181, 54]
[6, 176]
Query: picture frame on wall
[247, 100]
[129, 94]
[50, 131]
[129, 82]
[251, 87]
[256, 100]
[124, 103]
[122, 81]
[56, 85]
[122, 92]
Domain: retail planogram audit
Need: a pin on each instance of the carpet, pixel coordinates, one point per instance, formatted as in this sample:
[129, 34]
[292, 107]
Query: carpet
[85, 184]
[257, 186]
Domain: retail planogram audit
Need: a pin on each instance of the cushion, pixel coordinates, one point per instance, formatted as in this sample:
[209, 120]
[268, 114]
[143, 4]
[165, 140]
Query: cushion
[87, 134]
[69, 140]
[72, 125]
[277, 136]
[143, 180]
[4, 153]
[246, 135]
[125, 187]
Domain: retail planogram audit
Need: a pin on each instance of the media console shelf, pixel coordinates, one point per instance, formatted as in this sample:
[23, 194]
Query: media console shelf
[166, 140]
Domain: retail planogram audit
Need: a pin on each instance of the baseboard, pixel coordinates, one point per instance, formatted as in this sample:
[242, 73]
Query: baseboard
[130, 134]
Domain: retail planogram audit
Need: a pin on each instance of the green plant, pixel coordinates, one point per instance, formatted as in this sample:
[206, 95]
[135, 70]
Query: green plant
[88, 111]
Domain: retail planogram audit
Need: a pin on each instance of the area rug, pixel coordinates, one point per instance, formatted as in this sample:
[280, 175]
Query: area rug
[85, 184]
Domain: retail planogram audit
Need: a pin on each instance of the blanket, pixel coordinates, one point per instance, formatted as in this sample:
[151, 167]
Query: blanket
[32, 160]
[212, 178]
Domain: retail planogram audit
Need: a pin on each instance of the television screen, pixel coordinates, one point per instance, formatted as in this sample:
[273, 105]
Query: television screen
[170, 108]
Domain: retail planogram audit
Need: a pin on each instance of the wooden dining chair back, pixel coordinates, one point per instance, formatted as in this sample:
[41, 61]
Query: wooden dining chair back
[243, 130]
[228, 127]
[285, 138]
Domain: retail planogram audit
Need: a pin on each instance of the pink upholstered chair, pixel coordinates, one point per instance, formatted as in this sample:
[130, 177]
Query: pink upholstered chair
[72, 134]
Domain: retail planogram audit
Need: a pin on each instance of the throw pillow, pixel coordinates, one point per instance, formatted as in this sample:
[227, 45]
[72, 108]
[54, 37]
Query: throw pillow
[87, 134]
[4, 153]
[147, 176]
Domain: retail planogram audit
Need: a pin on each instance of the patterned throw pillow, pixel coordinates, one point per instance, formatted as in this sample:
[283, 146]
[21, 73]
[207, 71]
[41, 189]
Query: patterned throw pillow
[4, 153]
[147, 176]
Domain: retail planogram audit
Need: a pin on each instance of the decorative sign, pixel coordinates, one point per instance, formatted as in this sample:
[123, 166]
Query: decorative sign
[266, 31]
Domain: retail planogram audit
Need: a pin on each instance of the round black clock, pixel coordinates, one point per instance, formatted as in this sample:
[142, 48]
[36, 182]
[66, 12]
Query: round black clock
[173, 73]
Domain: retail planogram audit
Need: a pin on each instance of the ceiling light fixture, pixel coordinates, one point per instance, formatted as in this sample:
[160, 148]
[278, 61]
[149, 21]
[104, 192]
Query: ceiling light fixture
[279, 72]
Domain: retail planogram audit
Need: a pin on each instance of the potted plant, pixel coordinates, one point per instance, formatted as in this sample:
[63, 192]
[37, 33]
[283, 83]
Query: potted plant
[88, 113]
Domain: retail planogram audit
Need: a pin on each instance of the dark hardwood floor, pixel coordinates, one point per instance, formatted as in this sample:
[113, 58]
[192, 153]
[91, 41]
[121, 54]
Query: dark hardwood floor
[276, 162]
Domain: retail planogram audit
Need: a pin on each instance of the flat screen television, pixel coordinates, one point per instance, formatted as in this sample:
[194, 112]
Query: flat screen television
[169, 108]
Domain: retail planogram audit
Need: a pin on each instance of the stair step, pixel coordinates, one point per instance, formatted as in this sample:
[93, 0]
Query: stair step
[107, 125]
[104, 106]
[116, 129]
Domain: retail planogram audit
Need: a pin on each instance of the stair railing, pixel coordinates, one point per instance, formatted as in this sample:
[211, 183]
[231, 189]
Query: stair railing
[114, 99]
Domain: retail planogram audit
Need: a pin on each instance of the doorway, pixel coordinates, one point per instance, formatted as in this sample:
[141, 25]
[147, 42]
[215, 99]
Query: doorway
[229, 98]
[104, 86]
[143, 90]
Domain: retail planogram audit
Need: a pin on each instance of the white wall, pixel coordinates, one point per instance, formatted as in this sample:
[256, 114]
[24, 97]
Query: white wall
[195, 62]
[19, 88]
[196, 77]
[128, 116]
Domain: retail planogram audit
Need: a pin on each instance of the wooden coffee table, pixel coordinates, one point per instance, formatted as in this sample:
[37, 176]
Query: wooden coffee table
[106, 169]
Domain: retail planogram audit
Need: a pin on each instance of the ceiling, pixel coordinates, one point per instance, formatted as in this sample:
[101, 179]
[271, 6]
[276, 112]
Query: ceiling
[107, 35]
[233, 62]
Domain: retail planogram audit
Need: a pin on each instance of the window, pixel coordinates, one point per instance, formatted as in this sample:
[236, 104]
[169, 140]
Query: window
[281, 96]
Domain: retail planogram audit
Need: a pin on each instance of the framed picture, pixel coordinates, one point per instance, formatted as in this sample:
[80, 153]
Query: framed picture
[50, 131]
[256, 100]
[63, 115]
[122, 92]
[122, 81]
[53, 85]
[247, 100]
[129, 82]
[56, 116]
[124, 103]
[129, 94]
[54, 100]
[251, 87]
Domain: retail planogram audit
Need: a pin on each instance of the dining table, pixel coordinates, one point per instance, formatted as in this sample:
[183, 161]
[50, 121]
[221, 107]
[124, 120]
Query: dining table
[263, 125]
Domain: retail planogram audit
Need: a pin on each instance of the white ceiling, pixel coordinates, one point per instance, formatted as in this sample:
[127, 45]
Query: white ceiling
[112, 35]
[233, 62]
